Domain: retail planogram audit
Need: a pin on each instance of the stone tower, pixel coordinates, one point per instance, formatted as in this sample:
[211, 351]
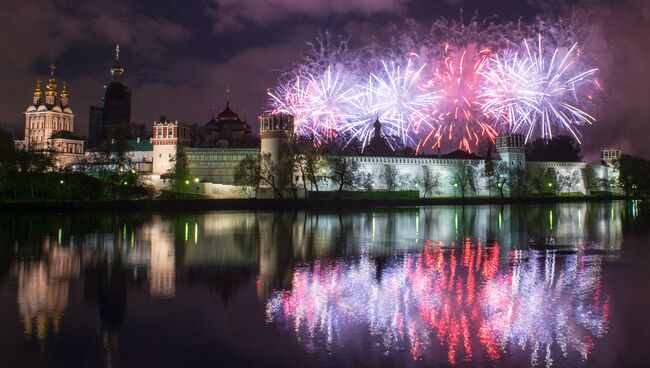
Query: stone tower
[609, 157]
[167, 137]
[511, 149]
[276, 132]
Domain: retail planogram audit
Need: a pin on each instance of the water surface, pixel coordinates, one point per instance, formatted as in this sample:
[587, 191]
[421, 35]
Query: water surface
[496, 286]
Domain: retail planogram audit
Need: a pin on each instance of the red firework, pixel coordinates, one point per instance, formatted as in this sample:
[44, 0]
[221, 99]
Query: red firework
[457, 112]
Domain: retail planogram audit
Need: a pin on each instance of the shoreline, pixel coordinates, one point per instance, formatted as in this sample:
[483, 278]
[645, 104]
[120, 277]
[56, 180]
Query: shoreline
[188, 205]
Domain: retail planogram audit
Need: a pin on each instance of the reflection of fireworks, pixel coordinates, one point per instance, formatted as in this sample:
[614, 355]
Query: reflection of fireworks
[534, 93]
[458, 297]
[459, 113]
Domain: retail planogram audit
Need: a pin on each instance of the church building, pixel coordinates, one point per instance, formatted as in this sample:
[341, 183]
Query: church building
[49, 123]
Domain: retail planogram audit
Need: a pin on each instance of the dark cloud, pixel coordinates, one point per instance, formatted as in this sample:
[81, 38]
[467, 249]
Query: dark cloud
[233, 15]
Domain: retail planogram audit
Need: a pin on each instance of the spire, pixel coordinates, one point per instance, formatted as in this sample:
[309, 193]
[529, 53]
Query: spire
[64, 94]
[377, 126]
[37, 93]
[50, 88]
[117, 70]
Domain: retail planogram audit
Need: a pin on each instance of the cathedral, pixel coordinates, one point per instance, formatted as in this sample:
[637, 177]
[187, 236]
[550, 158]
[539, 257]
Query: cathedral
[226, 131]
[49, 123]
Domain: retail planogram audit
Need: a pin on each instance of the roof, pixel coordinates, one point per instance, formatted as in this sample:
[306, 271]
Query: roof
[64, 134]
[462, 155]
[227, 114]
[143, 145]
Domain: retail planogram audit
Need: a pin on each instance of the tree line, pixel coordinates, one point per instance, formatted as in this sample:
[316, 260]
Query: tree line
[34, 175]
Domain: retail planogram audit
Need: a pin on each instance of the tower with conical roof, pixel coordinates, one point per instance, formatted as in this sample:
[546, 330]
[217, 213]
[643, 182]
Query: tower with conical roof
[113, 117]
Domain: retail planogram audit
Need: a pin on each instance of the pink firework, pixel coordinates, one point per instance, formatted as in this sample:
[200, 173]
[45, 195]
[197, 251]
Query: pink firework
[458, 110]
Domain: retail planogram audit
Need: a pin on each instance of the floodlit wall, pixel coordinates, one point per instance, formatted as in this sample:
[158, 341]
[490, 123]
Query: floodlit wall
[216, 165]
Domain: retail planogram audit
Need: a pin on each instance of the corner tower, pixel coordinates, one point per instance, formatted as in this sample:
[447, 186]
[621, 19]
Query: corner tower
[511, 148]
[167, 138]
[276, 132]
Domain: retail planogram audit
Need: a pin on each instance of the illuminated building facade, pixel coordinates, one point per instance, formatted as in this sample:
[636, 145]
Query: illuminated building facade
[49, 123]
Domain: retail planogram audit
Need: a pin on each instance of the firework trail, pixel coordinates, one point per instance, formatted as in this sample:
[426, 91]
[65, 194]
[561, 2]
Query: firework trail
[538, 92]
[395, 96]
[458, 112]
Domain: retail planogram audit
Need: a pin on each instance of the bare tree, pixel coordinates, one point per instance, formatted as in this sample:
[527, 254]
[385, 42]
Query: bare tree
[311, 166]
[248, 175]
[390, 177]
[464, 178]
[566, 182]
[501, 177]
[366, 181]
[430, 182]
[343, 171]
[274, 174]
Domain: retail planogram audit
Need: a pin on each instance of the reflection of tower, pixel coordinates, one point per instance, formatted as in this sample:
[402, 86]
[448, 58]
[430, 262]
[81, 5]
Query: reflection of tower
[276, 251]
[511, 149]
[276, 131]
[162, 272]
[111, 302]
[43, 289]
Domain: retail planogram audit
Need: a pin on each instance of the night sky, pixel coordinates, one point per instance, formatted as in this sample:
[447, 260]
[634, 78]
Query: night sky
[180, 55]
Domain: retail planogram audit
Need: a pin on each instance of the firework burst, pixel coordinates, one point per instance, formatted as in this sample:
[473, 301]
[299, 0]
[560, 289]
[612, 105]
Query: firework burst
[321, 104]
[395, 96]
[458, 112]
[538, 92]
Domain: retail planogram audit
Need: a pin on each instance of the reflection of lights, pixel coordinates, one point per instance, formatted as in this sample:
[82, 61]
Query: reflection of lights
[196, 232]
[500, 221]
[187, 231]
[550, 219]
[462, 298]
